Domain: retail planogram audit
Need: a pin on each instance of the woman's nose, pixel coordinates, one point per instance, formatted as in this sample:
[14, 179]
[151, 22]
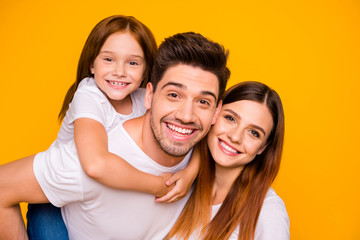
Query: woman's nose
[236, 134]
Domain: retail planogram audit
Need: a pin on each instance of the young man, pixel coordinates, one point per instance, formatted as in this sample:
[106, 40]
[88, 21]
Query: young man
[189, 76]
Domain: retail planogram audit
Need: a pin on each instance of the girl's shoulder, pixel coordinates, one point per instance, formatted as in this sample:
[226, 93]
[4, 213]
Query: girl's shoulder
[88, 88]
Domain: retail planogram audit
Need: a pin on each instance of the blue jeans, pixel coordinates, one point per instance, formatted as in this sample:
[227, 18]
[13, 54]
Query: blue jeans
[44, 222]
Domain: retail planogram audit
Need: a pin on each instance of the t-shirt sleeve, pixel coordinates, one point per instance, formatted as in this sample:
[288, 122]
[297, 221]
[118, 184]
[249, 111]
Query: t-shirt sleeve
[86, 104]
[273, 222]
[59, 176]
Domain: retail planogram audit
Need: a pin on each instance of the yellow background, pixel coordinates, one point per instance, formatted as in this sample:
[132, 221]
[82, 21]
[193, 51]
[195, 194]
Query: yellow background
[308, 50]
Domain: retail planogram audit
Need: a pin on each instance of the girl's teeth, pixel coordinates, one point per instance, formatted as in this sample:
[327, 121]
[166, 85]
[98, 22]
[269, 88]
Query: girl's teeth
[117, 83]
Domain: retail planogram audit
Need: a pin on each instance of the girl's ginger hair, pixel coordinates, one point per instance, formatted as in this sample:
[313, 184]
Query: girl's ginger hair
[243, 203]
[97, 38]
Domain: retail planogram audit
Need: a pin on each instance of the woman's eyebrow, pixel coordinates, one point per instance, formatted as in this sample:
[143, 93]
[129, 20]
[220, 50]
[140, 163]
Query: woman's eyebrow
[238, 117]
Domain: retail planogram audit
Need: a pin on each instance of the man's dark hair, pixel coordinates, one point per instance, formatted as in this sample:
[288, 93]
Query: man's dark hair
[195, 50]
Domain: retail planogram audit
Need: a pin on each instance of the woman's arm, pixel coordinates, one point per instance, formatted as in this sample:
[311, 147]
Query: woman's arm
[107, 168]
[17, 184]
[183, 179]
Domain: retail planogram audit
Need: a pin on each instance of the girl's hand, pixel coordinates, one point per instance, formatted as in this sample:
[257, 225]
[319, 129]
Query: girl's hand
[163, 188]
[182, 186]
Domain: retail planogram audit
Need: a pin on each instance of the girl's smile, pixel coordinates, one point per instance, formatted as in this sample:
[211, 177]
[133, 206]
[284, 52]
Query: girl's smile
[119, 67]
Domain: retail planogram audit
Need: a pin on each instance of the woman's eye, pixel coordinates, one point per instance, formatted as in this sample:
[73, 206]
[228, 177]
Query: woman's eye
[255, 133]
[133, 63]
[230, 118]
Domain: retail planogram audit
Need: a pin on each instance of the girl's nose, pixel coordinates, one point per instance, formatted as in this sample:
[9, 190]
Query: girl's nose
[119, 70]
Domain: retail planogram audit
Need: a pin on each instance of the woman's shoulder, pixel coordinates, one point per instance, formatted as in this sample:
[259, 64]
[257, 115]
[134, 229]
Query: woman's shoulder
[273, 222]
[273, 205]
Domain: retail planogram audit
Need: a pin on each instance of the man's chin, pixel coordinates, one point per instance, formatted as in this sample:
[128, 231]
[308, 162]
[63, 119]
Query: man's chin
[176, 149]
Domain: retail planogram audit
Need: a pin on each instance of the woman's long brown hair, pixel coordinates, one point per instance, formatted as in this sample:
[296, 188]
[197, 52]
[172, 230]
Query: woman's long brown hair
[243, 203]
[96, 40]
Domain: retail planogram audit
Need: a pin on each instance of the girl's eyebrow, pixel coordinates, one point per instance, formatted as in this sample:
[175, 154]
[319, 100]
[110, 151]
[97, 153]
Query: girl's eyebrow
[238, 117]
[131, 55]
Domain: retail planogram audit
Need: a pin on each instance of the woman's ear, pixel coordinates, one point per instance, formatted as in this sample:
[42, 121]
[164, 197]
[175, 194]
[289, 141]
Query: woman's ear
[92, 69]
[148, 96]
[262, 149]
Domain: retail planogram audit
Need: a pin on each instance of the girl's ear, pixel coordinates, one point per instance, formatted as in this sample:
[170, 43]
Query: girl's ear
[148, 96]
[92, 69]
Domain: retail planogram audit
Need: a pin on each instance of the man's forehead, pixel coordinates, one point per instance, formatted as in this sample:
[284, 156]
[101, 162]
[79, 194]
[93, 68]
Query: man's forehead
[190, 77]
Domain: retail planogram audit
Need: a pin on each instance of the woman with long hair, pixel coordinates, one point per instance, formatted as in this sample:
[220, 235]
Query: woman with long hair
[233, 198]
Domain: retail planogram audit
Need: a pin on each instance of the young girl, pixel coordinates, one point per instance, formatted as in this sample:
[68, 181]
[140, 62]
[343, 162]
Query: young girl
[233, 198]
[116, 59]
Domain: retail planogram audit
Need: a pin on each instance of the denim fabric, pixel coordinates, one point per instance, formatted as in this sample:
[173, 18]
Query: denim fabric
[44, 222]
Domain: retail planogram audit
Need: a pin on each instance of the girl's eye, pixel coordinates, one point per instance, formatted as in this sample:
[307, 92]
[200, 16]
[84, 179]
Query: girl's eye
[133, 63]
[255, 133]
[108, 59]
[230, 118]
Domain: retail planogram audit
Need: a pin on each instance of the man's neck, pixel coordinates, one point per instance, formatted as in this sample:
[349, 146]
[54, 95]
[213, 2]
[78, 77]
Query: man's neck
[140, 131]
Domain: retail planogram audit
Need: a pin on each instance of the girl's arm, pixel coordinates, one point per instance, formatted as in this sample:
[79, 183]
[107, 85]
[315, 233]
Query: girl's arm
[183, 179]
[107, 168]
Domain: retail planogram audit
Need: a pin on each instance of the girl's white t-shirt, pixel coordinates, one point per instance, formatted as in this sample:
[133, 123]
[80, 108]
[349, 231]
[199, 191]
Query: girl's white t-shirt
[91, 210]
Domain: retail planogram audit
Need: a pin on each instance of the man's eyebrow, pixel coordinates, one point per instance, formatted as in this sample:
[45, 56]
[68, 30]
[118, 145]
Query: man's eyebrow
[252, 125]
[209, 94]
[179, 85]
[182, 86]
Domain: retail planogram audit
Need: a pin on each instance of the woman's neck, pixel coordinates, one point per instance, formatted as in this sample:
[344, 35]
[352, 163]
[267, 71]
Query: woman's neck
[224, 179]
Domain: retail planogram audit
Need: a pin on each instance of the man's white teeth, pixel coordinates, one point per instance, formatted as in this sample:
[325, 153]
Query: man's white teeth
[180, 130]
[117, 83]
[227, 147]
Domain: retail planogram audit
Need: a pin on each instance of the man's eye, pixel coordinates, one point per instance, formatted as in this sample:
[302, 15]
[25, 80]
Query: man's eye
[255, 133]
[173, 95]
[230, 118]
[204, 102]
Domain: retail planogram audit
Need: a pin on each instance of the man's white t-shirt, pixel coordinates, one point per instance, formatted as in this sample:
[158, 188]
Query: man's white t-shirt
[91, 210]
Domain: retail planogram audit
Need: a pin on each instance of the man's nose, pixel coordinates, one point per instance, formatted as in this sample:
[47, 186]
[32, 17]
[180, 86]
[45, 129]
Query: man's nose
[186, 112]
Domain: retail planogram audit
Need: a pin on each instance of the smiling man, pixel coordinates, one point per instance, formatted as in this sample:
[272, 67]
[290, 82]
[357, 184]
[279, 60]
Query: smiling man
[182, 101]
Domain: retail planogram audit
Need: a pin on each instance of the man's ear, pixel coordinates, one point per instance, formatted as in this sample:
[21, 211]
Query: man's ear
[217, 112]
[148, 96]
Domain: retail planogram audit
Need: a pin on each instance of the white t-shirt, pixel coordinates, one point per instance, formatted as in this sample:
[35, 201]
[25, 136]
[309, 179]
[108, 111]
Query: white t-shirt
[92, 210]
[273, 222]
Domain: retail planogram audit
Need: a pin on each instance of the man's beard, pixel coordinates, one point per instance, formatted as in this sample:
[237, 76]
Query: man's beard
[173, 148]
